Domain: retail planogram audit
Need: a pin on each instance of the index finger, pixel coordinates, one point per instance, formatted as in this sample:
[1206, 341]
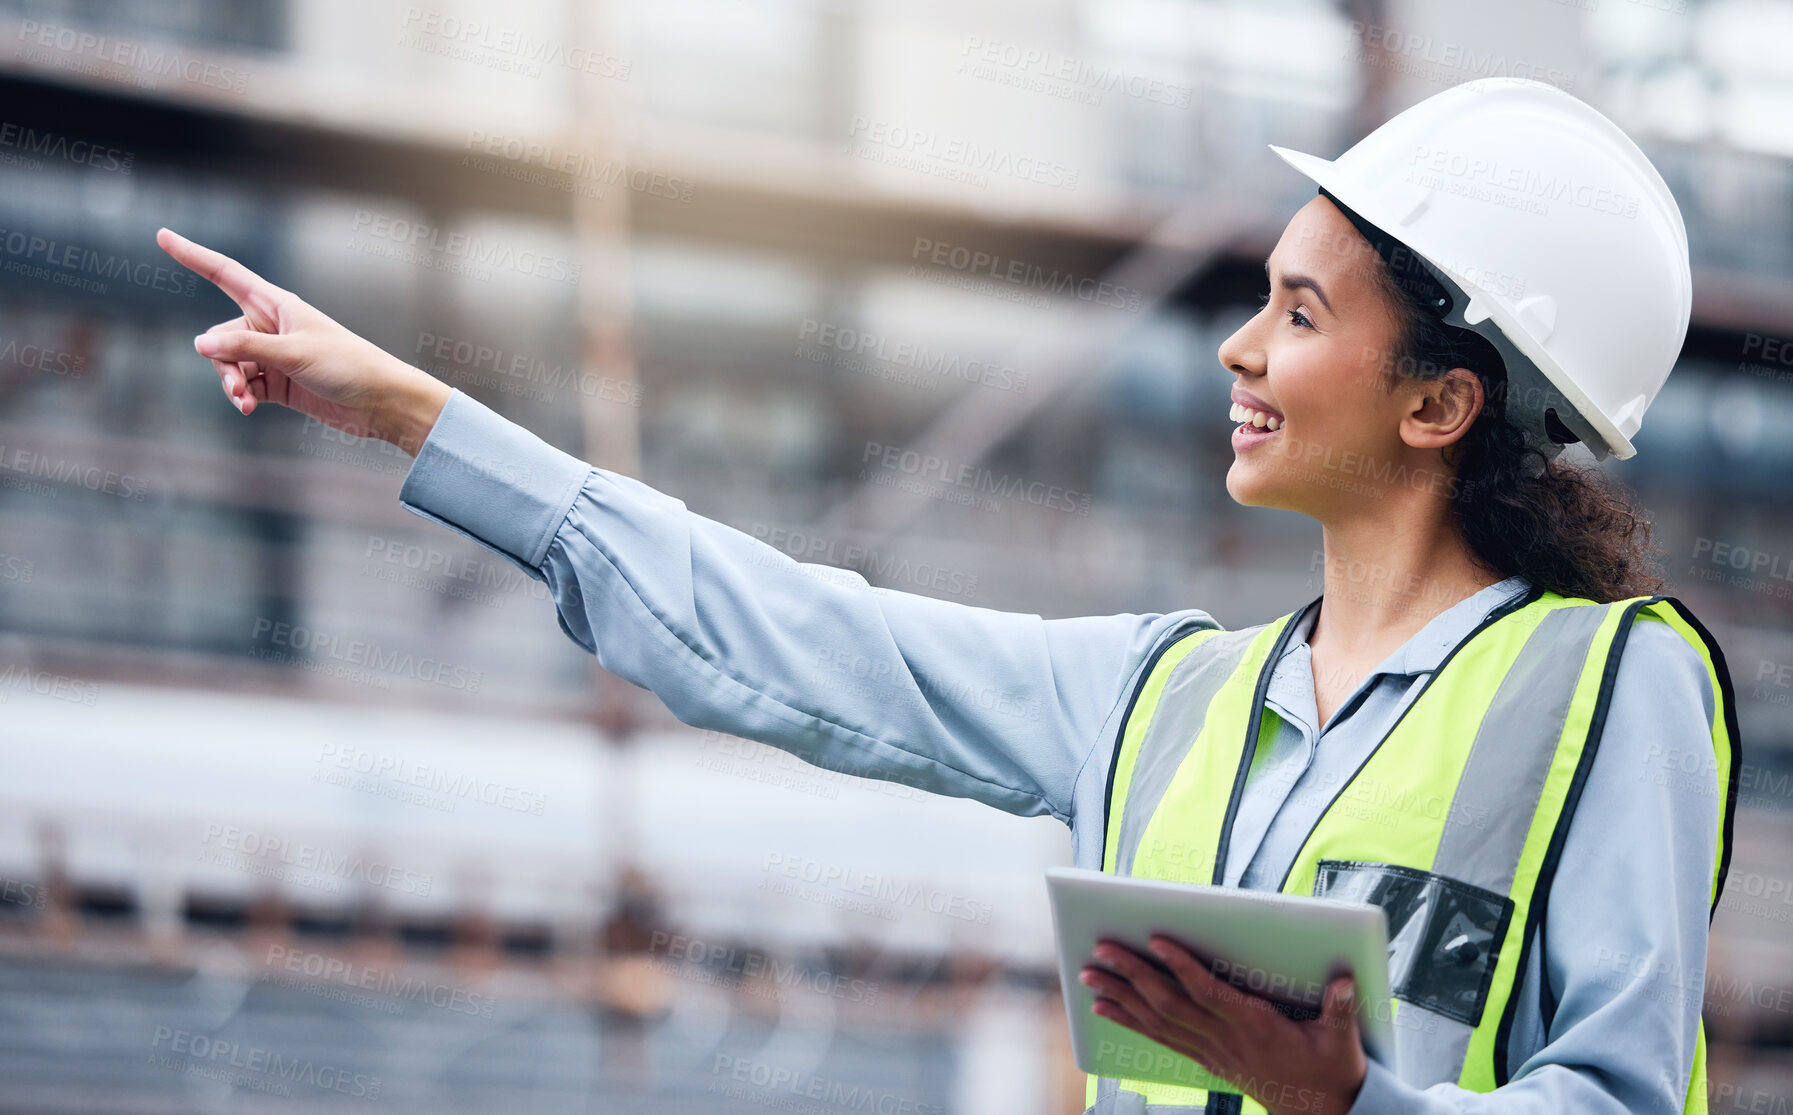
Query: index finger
[256, 295]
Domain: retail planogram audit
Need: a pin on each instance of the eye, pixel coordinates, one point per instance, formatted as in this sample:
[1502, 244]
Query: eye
[1296, 318]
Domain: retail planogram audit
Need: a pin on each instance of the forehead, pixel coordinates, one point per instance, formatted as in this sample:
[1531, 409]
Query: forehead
[1321, 242]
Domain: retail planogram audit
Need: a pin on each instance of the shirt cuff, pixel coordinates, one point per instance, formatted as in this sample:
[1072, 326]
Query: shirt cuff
[1381, 1092]
[483, 476]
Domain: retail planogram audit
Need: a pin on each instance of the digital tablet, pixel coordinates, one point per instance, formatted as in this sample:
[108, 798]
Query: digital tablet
[1282, 947]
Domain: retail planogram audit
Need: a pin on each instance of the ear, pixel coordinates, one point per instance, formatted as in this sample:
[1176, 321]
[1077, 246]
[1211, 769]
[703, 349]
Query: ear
[1442, 409]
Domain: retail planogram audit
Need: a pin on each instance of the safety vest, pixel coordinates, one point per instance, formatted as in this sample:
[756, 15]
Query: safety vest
[1504, 731]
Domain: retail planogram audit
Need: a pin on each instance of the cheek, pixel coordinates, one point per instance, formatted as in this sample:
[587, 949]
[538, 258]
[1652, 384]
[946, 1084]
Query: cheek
[1335, 385]
[1366, 362]
[1309, 391]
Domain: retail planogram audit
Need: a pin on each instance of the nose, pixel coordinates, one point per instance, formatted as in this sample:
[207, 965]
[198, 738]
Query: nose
[1241, 352]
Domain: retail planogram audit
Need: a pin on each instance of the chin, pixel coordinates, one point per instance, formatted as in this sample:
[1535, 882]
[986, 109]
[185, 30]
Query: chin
[1247, 490]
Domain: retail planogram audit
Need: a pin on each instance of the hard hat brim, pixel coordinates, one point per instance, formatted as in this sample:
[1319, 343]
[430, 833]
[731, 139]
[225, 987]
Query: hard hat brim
[1325, 173]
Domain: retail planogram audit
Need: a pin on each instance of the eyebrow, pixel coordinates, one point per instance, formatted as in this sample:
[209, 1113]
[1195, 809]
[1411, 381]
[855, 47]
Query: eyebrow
[1296, 282]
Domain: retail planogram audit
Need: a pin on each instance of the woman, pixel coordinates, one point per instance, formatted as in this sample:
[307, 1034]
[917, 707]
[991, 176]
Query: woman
[1412, 396]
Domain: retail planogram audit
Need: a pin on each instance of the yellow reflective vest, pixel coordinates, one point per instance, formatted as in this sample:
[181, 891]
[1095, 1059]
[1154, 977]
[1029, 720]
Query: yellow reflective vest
[1453, 825]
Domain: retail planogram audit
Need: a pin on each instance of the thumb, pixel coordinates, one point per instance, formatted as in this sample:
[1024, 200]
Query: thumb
[239, 345]
[1340, 1009]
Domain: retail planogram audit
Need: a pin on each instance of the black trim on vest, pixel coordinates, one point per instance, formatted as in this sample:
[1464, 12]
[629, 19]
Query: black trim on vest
[1500, 612]
[1553, 853]
[1120, 733]
[1253, 728]
[1730, 702]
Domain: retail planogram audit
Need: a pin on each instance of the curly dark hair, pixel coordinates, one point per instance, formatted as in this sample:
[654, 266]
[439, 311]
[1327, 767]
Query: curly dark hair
[1569, 529]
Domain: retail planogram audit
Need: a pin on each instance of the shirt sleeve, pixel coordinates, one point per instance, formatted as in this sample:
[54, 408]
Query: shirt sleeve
[734, 635]
[1626, 929]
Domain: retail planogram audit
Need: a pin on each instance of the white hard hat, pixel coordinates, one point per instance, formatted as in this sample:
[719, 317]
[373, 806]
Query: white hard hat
[1555, 237]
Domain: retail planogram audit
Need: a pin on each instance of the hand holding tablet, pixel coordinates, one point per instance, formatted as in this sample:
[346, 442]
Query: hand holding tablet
[1221, 977]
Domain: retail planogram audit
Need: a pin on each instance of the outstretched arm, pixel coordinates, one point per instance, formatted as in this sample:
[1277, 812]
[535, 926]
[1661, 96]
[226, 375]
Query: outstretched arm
[1002, 707]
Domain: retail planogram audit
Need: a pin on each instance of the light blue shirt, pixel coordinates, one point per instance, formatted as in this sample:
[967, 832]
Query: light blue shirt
[1020, 712]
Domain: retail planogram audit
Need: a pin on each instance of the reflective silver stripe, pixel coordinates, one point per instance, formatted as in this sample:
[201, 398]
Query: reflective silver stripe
[1492, 810]
[1110, 1100]
[1428, 1044]
[1515, 744]
[1118, 1102]
[1177, 720]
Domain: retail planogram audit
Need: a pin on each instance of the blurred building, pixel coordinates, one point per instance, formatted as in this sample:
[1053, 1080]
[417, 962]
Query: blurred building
[736, 249]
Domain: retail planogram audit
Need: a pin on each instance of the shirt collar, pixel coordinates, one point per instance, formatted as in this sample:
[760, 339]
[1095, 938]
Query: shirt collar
[1426, 649]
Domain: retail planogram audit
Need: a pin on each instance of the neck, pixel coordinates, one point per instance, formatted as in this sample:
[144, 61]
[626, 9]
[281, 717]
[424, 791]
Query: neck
[1388, 577]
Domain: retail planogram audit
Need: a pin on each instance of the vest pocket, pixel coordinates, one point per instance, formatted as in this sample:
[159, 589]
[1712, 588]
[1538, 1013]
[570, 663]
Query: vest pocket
[1444, 935]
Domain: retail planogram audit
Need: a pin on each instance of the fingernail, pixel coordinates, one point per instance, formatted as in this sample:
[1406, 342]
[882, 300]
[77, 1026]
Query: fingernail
[206, 344]
[1158, 948]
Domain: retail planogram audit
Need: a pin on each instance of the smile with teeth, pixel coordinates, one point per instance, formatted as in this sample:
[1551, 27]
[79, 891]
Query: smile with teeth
[1247, 416]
